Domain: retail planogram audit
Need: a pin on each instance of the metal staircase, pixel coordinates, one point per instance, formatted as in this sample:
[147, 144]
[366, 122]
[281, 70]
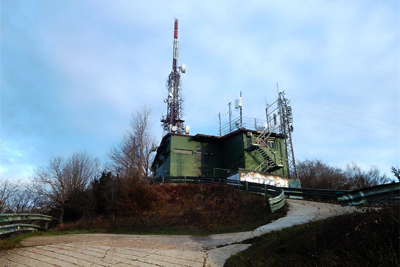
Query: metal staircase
[263, 154]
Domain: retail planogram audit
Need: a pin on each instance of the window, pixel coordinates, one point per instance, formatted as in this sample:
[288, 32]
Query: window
[183, 151]
[271, 143]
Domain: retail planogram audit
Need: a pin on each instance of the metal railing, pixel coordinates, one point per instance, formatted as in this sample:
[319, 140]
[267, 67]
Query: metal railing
[13, 227]
[248, 123]
[276, 202]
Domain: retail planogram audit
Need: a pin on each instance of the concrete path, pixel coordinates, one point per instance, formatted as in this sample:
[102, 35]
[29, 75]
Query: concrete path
[138, 250]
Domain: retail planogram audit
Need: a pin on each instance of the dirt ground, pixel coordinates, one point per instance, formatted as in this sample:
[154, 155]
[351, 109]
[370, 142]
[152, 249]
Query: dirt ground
[154, 250]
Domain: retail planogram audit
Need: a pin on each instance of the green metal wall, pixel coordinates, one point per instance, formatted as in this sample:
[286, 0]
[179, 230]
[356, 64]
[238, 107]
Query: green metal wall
[193, 158]
[233, 152]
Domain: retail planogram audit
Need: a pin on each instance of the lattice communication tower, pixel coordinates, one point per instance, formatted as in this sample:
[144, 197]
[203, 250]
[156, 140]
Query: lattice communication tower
[172, 121]
[286, 117]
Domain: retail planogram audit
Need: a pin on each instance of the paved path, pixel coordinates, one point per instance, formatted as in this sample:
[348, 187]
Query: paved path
[151, 251]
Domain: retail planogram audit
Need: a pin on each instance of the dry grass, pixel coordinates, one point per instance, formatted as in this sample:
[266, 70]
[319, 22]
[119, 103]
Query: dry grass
[183, 209]
[359, 239]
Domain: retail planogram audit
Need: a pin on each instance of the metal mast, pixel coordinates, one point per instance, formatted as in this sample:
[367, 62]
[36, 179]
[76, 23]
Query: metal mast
[172, 122]
[285, 112]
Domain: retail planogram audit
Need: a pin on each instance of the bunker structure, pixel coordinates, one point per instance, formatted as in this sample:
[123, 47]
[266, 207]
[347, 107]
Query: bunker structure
[220, 156]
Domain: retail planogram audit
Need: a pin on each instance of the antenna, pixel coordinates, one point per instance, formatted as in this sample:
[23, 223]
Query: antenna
[238, 105]
[230, 117]
[172, 122]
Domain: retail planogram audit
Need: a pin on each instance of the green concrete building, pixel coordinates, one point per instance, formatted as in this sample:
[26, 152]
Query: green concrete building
[199, 155]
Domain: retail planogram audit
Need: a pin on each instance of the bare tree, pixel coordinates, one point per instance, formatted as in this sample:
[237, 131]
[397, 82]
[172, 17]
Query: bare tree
[24, 200]
[61, 179]
[317, 174]
[132, 158]
[396, 172]
[7, 190]
[359, 178]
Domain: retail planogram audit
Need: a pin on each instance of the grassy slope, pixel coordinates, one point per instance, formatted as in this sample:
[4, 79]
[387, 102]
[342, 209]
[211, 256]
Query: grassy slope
[175, 209]
[359, 239]
[188, 209]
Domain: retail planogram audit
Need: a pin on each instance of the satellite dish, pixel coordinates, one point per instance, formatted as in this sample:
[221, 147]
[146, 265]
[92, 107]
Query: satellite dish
[187, 129]
[170, 94]
[180, 130]
[174, 128]
[165, 100]
[183, 68]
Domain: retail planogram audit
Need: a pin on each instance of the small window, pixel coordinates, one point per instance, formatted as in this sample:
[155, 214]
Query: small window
[271, 143]
[183, 151]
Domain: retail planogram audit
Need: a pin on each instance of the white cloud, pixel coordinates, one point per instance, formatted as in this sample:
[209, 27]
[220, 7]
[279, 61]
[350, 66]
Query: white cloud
[90, 65]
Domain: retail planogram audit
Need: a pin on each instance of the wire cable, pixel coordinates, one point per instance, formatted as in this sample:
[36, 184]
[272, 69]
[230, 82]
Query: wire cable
[352, 117]
[344, 109]
[397, 139]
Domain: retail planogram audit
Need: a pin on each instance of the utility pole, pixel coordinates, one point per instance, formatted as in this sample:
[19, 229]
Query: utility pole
[219, 116]
[230, 117]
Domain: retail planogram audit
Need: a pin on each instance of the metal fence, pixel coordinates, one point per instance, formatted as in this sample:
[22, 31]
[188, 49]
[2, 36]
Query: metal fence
[9, 223]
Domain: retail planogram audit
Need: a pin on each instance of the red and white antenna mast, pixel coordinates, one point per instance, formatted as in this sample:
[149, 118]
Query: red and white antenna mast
[172, 122]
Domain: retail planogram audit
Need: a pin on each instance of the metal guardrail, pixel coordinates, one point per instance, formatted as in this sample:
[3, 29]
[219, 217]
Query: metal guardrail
[380, 192]
[22, 217]
[276, 202]
[326, 194]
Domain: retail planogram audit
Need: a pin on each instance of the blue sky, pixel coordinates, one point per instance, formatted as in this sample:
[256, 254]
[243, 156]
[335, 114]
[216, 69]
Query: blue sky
[73, 73]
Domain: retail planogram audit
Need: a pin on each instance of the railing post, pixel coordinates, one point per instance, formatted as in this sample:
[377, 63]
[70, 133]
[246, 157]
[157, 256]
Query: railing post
[265, 193]
[163, 179]
[247, 186]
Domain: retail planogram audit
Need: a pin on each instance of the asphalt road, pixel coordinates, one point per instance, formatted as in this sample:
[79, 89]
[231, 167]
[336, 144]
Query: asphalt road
[150, 250]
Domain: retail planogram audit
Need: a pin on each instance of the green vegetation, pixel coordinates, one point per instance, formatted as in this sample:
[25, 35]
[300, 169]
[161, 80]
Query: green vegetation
[14, 241]
[359, 239]
[318, 174]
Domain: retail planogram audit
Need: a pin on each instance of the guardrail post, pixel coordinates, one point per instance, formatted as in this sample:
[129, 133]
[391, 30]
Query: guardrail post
[265, 193]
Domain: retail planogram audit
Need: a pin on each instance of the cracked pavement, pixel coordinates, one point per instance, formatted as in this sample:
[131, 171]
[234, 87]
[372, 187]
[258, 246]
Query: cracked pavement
[151, 250]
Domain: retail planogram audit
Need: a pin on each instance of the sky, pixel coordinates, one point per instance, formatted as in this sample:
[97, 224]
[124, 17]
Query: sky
[74, 72]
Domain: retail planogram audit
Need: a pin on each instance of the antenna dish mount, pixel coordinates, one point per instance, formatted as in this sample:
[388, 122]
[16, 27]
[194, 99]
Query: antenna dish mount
[183, 68]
